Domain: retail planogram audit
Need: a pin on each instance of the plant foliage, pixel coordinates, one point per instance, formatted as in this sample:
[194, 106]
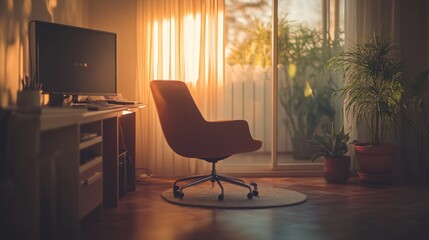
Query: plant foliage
[306, 87]
[373, 85]
[333, 144]
[307, 90]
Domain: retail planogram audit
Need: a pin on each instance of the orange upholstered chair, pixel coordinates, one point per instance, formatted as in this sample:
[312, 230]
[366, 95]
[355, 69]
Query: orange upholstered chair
[190, 135]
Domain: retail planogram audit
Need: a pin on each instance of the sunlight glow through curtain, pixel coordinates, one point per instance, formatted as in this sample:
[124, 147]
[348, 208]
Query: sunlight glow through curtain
[178, 40]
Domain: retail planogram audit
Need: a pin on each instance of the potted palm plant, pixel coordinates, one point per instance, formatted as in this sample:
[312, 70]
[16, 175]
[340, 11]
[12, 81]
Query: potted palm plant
[333, 147]
[373, 89]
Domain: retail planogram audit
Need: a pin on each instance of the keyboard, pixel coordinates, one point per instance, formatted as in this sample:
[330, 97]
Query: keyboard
[120, 102]
[95, 106]
[108, 101]
[99, 107]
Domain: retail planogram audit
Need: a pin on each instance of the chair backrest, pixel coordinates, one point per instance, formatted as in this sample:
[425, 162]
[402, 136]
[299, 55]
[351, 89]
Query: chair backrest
[178, 114]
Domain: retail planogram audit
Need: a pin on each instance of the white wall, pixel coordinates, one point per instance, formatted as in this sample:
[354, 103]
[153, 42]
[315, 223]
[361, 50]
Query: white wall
[119, 17]
[414, 47]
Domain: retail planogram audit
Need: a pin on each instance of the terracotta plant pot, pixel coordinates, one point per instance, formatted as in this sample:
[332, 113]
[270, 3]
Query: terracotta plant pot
[375, 161]
[336, 169]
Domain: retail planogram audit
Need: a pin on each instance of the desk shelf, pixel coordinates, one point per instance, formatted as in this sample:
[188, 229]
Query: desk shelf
[90, 142]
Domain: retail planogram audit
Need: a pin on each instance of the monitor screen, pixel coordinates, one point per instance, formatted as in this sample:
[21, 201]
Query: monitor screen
[74, 61]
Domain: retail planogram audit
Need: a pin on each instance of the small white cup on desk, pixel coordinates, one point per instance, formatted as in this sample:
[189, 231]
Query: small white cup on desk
[29, 98]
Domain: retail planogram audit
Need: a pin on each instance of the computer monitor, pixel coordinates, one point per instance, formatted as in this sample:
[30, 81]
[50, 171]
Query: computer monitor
[74, 61]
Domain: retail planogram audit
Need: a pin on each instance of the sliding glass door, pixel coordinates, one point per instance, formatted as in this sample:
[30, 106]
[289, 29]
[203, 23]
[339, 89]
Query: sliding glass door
[285, 105]
[248, 75]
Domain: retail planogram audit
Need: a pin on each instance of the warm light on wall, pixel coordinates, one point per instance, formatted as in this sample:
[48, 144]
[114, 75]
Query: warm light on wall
[9, 5]
[14, 18]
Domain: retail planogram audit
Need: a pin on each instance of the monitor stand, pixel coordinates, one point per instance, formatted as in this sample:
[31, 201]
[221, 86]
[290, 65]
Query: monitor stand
[56, 100]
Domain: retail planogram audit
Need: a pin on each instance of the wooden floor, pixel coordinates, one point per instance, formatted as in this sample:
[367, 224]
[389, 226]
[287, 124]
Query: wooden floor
[351, 211]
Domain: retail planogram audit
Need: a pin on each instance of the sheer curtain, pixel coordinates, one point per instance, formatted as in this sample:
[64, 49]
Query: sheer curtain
[180, 40]
[362, 19]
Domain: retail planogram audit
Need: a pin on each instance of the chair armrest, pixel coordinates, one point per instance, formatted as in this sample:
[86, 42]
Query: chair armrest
[223, 138]
[233, 130]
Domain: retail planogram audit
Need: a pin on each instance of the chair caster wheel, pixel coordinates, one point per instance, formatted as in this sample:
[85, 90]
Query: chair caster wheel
[255, 193]
[250, 195]
[178, 194]
[220, 197]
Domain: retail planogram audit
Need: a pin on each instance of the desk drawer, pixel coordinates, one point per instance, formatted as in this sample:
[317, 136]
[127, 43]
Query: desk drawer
[90, 186]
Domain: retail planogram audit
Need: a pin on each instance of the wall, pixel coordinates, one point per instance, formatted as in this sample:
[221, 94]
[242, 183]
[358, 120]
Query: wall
[414, 30]
[414, 34]
[119, 17]
[14, 18]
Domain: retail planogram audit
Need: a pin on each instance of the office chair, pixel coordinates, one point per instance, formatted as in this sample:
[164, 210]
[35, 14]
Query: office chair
[190, 135]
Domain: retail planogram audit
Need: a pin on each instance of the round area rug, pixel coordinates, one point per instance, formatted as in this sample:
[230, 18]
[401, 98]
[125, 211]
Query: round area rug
[235, 197]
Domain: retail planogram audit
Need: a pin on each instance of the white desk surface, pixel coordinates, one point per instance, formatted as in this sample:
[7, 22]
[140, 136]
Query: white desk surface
[57, 117]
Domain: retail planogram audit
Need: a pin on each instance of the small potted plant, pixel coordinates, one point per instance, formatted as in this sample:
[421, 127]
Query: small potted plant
[30, 93]
[333, 147]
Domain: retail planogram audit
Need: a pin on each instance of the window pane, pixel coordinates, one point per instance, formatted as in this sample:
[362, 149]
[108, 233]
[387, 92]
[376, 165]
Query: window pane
[248, 78]
[307, 38]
